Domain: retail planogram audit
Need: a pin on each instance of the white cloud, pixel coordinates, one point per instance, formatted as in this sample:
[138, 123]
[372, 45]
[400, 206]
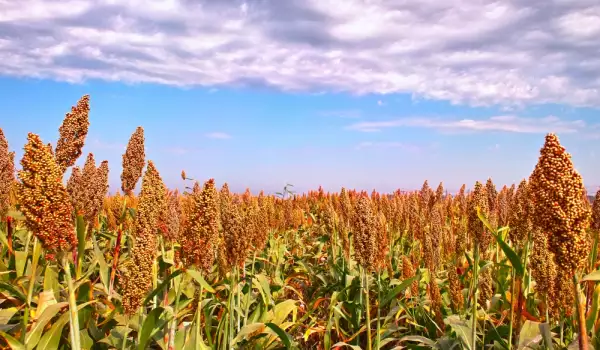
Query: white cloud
[504, 123]
[218, 135]
[508, 52]
[380, 103]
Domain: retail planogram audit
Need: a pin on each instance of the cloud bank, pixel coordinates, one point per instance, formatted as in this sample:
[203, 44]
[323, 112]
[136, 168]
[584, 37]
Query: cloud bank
[503, 123]
[507, 52]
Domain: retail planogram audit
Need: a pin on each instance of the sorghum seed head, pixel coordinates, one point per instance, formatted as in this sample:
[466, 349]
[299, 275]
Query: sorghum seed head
[475, 225]
[201, 241]
[7, 175]
[521, 215]
[44, 200]
[133, 161]
[137, 271]
[364, 230]
[595, 224]
[73, 132]
[556, 188]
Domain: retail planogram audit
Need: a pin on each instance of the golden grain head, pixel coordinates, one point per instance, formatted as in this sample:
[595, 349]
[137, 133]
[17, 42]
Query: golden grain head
[73, 132]
[7, 175]
[44, 200]
[557, 192]
[134, 160]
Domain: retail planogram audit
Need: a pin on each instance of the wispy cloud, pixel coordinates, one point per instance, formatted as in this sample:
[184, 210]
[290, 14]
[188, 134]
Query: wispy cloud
[505, 123]
[478, 52]
[218, 135]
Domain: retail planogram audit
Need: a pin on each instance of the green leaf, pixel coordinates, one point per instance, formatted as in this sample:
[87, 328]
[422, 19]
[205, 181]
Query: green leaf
[12, 342]
[340, 344]
[283, 336]
[51, 339]
[162, 286]
[99, 256]
[152, 324]
[547, 335]
[419, 339]
[86, 341]
[197, 276]
[594, 276]
[13, 291]
[20, 261]
[462, 329]
[7, 314]
[398, 289]
[508, 251]
[593, 316]
[248, 330]
[282, 310]
[51, 280]
[81, 231]
[529, 335]
[34, 335]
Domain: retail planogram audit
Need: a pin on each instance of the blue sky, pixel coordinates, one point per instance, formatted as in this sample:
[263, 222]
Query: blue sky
[311, 93]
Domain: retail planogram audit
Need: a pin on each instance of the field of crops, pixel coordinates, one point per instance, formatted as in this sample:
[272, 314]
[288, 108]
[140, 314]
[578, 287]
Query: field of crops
[485, 268]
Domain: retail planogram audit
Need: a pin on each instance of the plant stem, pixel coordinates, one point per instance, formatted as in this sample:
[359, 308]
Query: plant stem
[368, 313]
[475, 281]
[239, 298]
[378, 309]
[512, 309]
[115, 262]
[583, 336]
[73, 317]
[249, 290]
[231, 307]
[124, 345]
[34, 265]
[198, 327]
[174, 322]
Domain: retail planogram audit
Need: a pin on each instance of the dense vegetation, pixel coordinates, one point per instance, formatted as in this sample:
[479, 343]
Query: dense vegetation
[211, 269]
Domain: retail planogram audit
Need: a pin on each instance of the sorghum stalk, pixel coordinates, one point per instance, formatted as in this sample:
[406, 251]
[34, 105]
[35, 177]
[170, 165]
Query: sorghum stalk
[368, 307]
[249, 289]
[73, 316]
[583, 337]
[474, 286]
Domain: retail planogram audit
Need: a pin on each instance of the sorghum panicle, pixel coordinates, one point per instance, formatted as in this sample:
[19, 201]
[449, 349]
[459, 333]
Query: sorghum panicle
[201, 241]
[492, 198]
[44, 200]
[521, 215]
[543, 269]
[171, 217]
[136, 279]
[7, 175]
[455, 289]
[408, 271]
[595, 222]
[364, 230]
[133, 161]
[476, 227]
[556, 188]
[73, 132]
[236, 237]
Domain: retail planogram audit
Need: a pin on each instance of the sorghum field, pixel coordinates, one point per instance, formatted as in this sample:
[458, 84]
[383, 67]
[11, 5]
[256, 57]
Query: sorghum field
[488, 267]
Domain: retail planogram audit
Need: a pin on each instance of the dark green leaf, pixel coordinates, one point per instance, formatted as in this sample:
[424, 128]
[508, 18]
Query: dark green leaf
[283, 336]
